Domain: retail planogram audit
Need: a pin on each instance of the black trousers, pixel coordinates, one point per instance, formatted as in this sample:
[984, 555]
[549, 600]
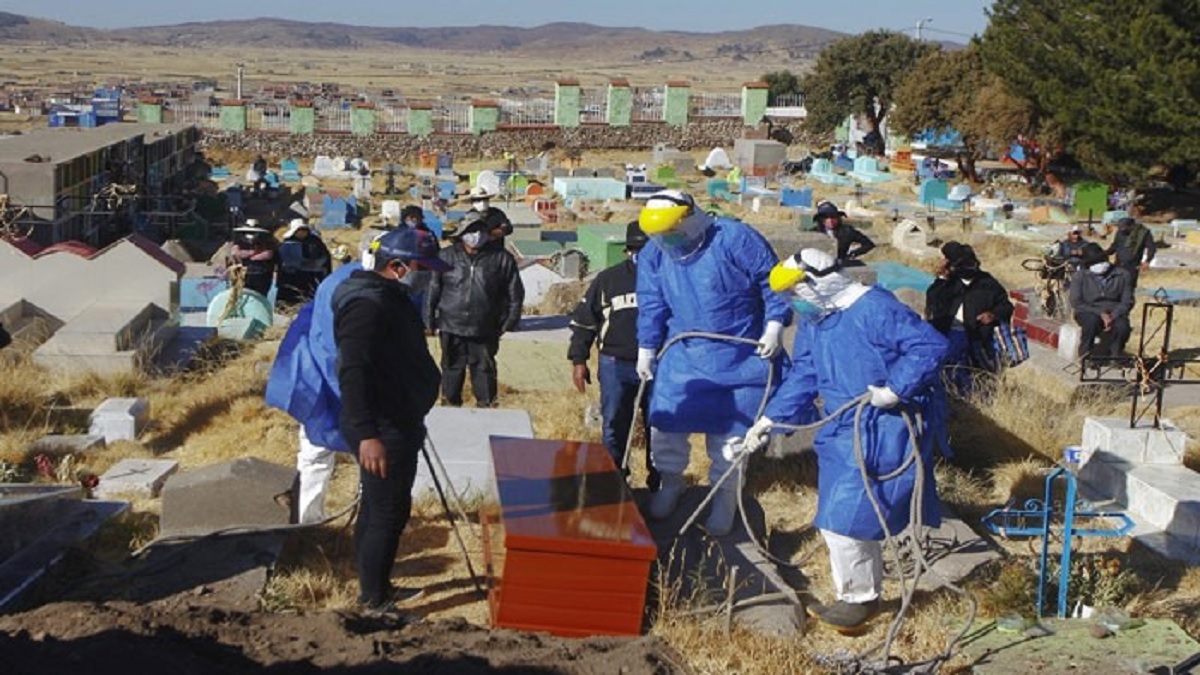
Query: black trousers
[384, 512]
[460, 352]
[1091, 326]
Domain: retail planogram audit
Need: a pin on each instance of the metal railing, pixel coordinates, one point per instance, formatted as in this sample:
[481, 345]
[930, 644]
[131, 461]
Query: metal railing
[787, 101]
[715, 105]
[391, 119]
[270, 118]
[202, 115]
[452, 117]
[332, 119]
[648, 104]
[535, 112]
[593, 107]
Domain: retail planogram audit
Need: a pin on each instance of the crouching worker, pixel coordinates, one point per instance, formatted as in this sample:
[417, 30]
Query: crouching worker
[389, 382]
[858, 342]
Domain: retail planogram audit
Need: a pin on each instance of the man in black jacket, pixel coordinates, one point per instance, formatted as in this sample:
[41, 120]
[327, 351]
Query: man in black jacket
[608, 314]
[828, 220]
[966, 304]
[389, 382]
[498, 224]
[1134, 248]
[1102, 297]
[471, 306]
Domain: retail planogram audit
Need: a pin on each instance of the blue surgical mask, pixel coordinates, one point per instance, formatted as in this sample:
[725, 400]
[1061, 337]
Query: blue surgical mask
[806, 308]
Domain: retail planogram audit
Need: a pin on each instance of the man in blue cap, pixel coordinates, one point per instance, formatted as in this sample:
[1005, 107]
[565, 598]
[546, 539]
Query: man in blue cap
[389, 382]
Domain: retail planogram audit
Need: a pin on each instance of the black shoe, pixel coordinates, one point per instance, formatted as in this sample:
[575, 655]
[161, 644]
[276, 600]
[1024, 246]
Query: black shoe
[848, 616]
[388, 612]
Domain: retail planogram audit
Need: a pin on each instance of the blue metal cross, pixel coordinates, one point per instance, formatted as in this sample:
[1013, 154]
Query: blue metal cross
[1038, 519]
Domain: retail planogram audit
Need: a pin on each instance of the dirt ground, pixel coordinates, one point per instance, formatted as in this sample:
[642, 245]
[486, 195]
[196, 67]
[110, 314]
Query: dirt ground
[182, 638]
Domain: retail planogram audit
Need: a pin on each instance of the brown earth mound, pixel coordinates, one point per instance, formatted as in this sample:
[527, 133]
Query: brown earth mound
[120, 637]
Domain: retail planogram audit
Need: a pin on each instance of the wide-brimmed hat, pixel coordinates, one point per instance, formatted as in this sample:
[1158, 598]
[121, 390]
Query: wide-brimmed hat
[251, 226]
[410, 245]
[472, 222]
[825, 209]
[296, 225]
[635, 238]
[479, 193]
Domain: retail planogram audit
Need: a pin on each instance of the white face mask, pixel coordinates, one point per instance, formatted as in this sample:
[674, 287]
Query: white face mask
[482, 205]
[472, 239]
[1099, 268]
[368, 260]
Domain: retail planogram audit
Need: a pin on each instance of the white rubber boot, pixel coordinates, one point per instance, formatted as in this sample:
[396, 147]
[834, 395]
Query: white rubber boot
[722, 512]
[663, 504]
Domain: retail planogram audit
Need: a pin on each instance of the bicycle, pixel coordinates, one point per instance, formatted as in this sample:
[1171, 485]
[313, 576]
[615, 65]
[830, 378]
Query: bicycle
[1052, 285]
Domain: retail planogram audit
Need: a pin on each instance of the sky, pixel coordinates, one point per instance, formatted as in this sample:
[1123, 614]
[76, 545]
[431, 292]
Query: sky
[952, 20]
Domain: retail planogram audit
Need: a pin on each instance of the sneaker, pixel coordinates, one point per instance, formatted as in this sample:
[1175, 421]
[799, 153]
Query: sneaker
[848, 616]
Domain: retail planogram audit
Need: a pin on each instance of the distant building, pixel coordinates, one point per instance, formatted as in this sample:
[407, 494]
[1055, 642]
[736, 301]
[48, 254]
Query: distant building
[56, 173]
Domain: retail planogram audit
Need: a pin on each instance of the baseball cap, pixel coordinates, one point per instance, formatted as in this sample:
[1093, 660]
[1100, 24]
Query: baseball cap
[410, 245]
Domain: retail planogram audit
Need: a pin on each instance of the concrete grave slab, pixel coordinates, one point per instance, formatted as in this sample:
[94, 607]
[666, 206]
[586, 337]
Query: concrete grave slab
[460, 438]
[69, 444]
[1143, 443]
[1156, 646]
[238, 493]
[136, 477]
[120, 419]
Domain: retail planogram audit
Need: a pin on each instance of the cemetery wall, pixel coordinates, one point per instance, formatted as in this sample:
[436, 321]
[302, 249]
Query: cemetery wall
[696, 135]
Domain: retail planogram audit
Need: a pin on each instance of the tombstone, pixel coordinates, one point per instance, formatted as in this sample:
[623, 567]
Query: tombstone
[57, 445]
[489, 181]
[460, 438]
[120, 419]
[517, 184]
[335, 212]
[822, 166]
[389, 212]
[323, 166]
[537, 280]
[796, 197]
[932, 190]
[239, 493]
[959, 193]
[290, 170]
[135, 477]
[445, 189]
[911, 236]
[718, 159]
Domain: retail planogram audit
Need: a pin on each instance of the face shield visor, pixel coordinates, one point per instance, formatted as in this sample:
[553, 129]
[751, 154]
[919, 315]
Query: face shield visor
[675, 224]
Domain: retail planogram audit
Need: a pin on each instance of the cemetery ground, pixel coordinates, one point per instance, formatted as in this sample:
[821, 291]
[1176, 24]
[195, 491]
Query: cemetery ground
[303, 621]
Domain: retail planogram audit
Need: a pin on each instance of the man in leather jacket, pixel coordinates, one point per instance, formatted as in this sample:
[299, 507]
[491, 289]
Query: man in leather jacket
[471, 306]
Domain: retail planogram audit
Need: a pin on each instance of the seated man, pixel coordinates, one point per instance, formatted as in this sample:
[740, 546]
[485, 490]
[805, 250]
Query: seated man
[1102, 296]
[1070, 250]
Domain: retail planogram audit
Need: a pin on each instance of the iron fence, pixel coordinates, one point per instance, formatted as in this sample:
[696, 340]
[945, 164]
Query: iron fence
[787, 101]
[593, 107]
[391, 119]
[270, 118]
[648, 104]
[715, 105]
[332, 119]
[535, 112]
[202, 115]
[452, 117]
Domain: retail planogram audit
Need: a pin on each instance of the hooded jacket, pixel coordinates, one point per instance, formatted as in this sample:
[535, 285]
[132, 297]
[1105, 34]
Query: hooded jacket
[480, 296]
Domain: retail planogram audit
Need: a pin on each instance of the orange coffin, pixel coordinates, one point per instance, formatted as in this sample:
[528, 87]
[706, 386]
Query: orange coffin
[567, 551]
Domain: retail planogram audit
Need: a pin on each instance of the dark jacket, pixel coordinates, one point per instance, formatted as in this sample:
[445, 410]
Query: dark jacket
[608, 312]
[1131, 247]
[302, 272]
[845, 235]
[1099, 293]
[387, 377]
[480, 296]
[260, 264]
[983, 294]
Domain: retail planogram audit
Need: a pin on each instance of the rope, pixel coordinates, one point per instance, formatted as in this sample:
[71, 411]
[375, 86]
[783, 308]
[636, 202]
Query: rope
[915, 550]
[236, 275]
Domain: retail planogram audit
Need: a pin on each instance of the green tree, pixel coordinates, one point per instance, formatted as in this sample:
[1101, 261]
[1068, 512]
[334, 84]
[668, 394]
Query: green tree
[858, 76]
[1120, 79]
[782, 83]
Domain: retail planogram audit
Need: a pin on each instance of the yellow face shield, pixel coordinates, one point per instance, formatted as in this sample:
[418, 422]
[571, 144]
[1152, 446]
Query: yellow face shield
[661, 220]
[784, 278]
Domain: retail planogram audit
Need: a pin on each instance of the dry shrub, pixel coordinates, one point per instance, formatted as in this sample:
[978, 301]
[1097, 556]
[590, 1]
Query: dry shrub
[22, 394]
[1018, 481]
[1010, 586]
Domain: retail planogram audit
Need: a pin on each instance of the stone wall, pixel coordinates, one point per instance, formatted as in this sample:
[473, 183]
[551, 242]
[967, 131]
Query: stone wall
[701, 135]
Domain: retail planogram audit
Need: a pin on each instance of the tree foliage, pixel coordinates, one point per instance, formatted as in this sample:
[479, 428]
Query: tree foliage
[782, 83]
[858, 76]
[953, 89]
[1120, 79]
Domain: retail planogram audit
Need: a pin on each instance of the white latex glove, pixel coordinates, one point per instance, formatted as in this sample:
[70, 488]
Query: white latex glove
[768, 344]
[757, 438]
[883, 397]
[645, 364]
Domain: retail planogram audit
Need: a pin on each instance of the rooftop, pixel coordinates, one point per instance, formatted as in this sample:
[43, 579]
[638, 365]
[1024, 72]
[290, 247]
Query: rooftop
[63, 144]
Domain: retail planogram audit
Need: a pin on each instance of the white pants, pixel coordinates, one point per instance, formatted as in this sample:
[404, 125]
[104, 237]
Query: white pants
[857, 567]
[670, 451]
[315, 465]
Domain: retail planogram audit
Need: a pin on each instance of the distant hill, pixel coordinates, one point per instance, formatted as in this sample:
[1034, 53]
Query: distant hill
[554, 38]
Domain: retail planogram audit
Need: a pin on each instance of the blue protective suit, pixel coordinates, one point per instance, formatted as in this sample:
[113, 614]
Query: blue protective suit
[876, 341]
[702, 385]
[303, 380]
